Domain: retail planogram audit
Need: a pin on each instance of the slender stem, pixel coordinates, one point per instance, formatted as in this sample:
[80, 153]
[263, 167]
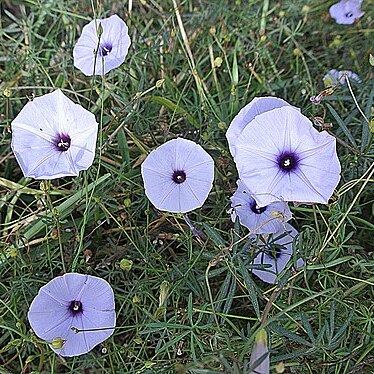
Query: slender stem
[55, 215]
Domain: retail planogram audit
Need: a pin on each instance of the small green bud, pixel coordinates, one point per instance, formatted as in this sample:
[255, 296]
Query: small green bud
[57, 343]
[127, 203]
[136, 299]
[126, 264]
[164, 292]
[100, 30]
[7, 92]
[159, 83]
[371, 60]
[160, 312]
[218, 62]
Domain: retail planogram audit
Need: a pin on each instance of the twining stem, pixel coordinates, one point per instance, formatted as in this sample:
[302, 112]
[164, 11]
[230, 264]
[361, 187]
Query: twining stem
[54, 212]
[196, 233]
[100, 132]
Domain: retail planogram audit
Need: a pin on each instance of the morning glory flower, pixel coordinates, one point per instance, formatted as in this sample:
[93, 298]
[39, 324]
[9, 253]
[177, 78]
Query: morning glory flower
[275, 251]
[77, 301]
[281, 156]
[53, 137]
[260, 357]
[178, 176]
[268, 219]
[257, 106]
[346, 12]
[334, 77]
[94, 54]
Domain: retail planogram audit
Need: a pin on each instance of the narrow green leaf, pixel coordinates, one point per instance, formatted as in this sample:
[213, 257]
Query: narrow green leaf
[64, 208]
[342, 125]
[289, 334]
[176, 108]
[251, 287]
[123, 148]
[213, 235]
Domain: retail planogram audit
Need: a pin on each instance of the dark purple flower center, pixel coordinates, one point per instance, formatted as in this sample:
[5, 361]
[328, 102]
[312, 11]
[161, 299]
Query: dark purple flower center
[179, 176]
[349, 14]
[255, 209]
[105, 49]
[287, 161]
[76, 307]
[62, 142]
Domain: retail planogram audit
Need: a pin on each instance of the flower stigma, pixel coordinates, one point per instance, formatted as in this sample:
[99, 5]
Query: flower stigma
[179, 176]
[105, 49]
[62, 142]
[287, 161]
[76, 307]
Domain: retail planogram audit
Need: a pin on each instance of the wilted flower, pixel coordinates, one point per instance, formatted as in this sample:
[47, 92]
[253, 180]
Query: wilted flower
[77, 301]
[334, 77]
[260, 357]
[280, 156]
[178, 176]
[346, 12]
[257, 106]
[53, 137]
[103, 46]
[268, 219]
[275, 251]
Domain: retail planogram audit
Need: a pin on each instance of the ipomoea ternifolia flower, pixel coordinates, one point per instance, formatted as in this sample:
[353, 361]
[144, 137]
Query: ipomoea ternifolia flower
[281, 156]
[260, 357]
[257, 106]
[268, 219]
[346, 12]
[73, 300]
[275, 251]
[53, 137]
[334, 76]
[178, 176]
[112, 50]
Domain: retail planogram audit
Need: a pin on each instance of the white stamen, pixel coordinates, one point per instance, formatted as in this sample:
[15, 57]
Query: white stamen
[63, 144]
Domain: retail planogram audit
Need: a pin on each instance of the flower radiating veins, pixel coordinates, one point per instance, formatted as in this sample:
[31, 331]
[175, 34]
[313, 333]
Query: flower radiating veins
[53, 137]
[257, 106]
[74, 312]
[280, 156]
[102, 46]
[178, 176]
[267, 219]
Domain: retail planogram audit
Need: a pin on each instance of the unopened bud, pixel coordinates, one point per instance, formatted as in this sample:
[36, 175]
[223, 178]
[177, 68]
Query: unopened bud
[57, 343]
[125, 264]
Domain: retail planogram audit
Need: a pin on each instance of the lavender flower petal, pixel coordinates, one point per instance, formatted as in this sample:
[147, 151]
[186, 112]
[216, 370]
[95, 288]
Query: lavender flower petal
[280, 156]
[112, 49]
[269, 219]
[52, 137]
[178, 176]
[346, 12]
[260, 357]
[283, 241]
[257, 106]
[73, 300]
[334, 77]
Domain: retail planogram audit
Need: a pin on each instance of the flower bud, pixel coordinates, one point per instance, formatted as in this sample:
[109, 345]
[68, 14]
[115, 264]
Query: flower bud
[260, 362]
[57, 343]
